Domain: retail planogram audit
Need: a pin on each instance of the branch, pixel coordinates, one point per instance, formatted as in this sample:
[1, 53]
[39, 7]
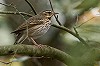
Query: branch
[54, 14]
[15, 13]
[37, 51]
[74, 34]
[31, 7]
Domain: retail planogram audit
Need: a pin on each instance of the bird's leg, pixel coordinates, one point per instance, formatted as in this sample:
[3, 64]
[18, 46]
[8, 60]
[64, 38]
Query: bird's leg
[24, 39]
[17, 37]
[33, 41]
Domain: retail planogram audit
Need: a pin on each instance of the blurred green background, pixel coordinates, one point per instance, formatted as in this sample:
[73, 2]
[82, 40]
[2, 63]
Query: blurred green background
[84, 15]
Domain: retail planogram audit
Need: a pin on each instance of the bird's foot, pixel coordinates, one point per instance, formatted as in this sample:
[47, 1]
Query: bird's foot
[39, 45]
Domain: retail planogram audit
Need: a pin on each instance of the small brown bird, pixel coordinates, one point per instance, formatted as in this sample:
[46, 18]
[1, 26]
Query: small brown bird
[34, 27]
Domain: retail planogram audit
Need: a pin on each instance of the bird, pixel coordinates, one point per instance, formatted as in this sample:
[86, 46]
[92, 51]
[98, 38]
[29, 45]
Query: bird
[34, 27]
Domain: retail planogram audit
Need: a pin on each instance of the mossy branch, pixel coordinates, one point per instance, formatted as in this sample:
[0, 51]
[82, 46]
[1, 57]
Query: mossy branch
[35, 51]
[91, 55]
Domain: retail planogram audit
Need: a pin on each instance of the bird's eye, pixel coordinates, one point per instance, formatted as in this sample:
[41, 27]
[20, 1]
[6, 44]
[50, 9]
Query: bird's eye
[45, 14]
[49, 12]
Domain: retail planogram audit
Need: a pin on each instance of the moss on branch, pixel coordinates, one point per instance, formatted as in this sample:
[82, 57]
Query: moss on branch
[37, 51]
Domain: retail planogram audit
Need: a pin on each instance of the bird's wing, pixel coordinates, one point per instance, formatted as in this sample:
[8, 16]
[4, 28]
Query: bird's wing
[31, 22]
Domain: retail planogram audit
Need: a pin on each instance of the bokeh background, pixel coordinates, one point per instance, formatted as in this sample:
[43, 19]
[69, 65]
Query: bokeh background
[84, 15]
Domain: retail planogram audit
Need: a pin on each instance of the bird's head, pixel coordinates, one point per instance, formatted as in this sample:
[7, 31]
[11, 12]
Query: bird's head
[48, 13]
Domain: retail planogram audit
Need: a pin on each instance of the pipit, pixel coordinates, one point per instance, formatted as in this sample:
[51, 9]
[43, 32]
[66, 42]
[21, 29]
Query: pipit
[34, 27]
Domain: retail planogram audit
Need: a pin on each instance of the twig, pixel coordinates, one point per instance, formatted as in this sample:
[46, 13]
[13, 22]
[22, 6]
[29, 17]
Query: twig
[13, 12]
[76, 31]
[84, 22]
[13, 6]
[31, 7]
[10, 5]
[16, 13]
[6, 4]
[54, 14]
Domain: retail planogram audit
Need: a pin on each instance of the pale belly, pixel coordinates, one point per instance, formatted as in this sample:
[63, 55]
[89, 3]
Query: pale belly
[37, 32]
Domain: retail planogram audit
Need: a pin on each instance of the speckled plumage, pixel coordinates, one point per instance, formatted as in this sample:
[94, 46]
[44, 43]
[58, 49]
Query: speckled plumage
[38, 25]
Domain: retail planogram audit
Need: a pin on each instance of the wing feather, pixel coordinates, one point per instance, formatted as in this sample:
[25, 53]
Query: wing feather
[31, 22]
